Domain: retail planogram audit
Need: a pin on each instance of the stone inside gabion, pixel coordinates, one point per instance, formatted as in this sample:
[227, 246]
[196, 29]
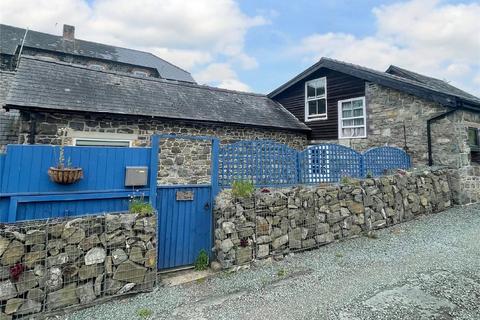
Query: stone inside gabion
[301, 217]
[56, 264]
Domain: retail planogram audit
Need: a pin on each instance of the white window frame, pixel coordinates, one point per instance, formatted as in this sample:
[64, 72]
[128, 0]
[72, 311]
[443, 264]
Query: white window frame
[105, 140]
[340, 118]
[321, 116]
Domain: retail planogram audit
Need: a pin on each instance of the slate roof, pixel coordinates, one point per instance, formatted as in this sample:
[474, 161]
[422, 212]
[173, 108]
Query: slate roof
[11, 38]
[426, 89]
[440, 85]
[54, 85]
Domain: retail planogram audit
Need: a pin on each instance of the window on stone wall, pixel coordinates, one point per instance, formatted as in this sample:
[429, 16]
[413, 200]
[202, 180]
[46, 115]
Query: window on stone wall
[352, 118]
[80, 142]
[474, 144]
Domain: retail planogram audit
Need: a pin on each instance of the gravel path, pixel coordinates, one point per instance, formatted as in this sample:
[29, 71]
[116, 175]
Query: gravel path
[424, 269]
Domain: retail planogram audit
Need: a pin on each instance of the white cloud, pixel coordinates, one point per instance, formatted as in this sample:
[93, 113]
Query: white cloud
[221, 75]
[191, 34]
[427, 36]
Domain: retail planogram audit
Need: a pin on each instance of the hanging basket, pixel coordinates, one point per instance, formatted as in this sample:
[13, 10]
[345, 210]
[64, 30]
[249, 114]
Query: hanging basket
[65, 175]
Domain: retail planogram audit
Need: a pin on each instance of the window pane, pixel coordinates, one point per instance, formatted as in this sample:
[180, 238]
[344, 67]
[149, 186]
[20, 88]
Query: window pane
[358, 113]
[472, 137]
[348, 123]
[347, 132]
[357, 103]
[315, 88]
[346, 105]
[359, 132]
[358, 122]
[347, 113]
[312, 107]
[321, 89]
[101, 143]
[322, 108]
[310, 91]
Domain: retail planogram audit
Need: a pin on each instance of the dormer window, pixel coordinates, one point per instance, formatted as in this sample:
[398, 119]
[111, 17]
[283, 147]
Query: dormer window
[139, 73]
[316, 99]
[97, 67]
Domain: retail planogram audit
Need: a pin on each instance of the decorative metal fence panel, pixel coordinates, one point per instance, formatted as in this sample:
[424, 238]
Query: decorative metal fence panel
[263, 162]
[268, 163]
[328, 163]
[378, 161]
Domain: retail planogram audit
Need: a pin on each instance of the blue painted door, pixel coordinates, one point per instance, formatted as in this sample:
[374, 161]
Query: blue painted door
[184, 224]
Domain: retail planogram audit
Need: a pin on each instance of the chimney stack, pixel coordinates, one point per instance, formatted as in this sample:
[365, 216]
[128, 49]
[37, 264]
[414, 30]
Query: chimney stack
[68, 32]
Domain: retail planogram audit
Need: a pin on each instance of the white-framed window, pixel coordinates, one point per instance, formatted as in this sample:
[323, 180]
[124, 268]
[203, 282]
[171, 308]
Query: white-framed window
[90, 142]
[316, 99]
[352, 120]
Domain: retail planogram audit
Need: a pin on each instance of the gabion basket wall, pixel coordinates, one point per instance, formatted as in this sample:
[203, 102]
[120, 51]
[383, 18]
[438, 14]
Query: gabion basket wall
[52, 265]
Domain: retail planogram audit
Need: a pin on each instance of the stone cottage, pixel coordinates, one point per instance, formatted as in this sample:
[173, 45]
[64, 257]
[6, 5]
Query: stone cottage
[16, 42]
[106, 108]
[110, 96]
[436, 123]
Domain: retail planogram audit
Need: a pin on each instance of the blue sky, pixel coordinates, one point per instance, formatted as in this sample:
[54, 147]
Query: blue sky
[289, 23]
[256, 45]
[293, 20]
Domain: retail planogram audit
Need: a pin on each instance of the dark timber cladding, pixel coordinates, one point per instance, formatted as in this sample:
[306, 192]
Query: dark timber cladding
[339, 86]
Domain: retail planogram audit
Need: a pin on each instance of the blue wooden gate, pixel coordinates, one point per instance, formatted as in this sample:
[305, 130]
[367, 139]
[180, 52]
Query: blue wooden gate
[184, 224]
[185, 216]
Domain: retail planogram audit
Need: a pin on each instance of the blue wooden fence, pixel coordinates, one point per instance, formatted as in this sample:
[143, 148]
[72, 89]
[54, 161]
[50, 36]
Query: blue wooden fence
[328, 163]
[27, 193]
[263, 161]
[377, 161]
[268, 163]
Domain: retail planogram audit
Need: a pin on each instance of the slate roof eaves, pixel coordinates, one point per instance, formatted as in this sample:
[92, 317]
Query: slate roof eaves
[376, 76]
[39, 84]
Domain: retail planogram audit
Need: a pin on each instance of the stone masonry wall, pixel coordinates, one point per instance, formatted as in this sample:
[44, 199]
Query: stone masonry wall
[453, 150]
[280, 221]
[181, 161]
[54, 264]
[388, 110]
[9, 121]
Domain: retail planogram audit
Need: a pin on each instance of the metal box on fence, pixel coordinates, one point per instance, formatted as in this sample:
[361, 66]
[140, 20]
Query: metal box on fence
[136, 176]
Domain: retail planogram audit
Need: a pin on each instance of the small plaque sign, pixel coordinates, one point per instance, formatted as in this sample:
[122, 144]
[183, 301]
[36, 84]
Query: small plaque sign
[184, 195]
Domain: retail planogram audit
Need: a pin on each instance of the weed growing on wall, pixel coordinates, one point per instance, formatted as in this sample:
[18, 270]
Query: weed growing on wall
[242, 189]
[139, 206]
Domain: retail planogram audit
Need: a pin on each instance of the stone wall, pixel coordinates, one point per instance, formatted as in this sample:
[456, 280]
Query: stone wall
[181, 161]
[452, 149]
[9, 121]
[276, 222]
[51, 265]
[388, 111]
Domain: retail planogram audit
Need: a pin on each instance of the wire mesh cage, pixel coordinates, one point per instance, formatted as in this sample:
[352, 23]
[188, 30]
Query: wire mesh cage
[54, 264]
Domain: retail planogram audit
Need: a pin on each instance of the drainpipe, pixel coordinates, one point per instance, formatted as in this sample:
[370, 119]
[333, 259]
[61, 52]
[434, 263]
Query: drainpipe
[429, 130]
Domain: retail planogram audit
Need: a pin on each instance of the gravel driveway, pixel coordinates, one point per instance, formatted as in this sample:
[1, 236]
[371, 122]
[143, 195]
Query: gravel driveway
[424, 269]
